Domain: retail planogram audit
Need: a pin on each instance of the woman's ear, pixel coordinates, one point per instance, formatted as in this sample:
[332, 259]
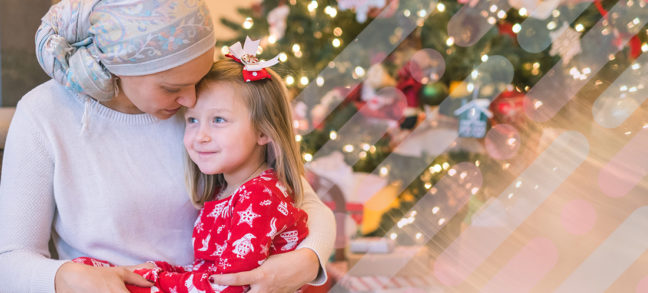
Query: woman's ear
[263, 139]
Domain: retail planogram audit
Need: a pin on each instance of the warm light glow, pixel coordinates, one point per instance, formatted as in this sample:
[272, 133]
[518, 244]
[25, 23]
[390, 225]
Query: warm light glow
[337, 31]
[517, 28]
[283, 57]
[450, 41]
[248, 23]
[271, 39]
[290, 80]
[441, 7]
[348, 148]
[484, 58]
[303, 80]
[308, 157]
[333, 135]
[359, 71]
[319, 81]
[312, 6]
[522, 11]
[551, 25]
[225, 50]
[501, 14]
[435, 210]
[384, 171]
[336, 42]
[579, 27]
[296, 48]
[298, 138]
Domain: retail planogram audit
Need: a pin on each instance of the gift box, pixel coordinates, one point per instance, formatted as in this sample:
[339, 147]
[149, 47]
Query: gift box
[401, 261]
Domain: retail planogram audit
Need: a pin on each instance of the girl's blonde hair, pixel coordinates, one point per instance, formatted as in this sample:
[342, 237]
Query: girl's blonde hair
[270, 113]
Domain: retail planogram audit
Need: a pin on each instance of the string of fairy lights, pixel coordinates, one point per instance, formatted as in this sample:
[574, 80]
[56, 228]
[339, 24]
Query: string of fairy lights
[493, 14]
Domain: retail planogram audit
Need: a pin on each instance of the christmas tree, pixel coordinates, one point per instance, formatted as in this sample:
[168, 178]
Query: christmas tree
[369, 77]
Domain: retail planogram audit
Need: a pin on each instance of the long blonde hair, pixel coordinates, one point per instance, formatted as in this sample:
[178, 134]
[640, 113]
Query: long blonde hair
[270, 113]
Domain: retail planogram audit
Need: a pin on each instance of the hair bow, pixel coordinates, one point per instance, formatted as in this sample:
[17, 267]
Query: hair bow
[253, 68]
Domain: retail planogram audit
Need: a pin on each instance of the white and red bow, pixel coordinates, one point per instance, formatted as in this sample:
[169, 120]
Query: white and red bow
[253, 68]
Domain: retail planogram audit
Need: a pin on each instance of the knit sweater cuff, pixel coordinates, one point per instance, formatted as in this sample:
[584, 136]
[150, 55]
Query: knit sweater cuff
[43, 277]
[321, 274]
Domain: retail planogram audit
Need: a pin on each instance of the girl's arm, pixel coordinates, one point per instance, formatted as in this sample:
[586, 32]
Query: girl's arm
[289, 271]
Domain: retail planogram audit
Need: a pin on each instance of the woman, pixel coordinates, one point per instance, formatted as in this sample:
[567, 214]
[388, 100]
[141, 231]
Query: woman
[95, 155]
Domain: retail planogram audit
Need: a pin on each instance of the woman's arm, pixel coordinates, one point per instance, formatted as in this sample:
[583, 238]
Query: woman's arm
[287, 272]
[26, 209]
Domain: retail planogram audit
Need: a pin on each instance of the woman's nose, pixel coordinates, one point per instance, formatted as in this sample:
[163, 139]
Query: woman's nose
[187, 98]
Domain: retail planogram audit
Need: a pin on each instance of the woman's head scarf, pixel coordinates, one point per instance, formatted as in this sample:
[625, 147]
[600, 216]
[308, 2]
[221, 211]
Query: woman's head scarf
[83, 43]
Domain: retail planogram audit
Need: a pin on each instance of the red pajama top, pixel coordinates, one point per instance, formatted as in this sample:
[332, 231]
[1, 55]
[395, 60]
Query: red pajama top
[235, 234]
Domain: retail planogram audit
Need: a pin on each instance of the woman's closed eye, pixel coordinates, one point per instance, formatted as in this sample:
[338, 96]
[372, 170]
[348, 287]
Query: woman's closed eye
[171, 90]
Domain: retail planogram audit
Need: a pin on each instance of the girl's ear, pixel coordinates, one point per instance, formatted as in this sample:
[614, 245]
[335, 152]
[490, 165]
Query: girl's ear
[263, 139]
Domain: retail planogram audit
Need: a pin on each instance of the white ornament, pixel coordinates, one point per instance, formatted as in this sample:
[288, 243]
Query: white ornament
[361, 7]
[291, 239]
[247, 216]
[566, 43]
[244, 245]
[277, 21]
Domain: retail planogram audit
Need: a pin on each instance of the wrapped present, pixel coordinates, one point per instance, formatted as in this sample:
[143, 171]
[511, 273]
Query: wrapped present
[401, 261]
[371, 245]
[405, 269]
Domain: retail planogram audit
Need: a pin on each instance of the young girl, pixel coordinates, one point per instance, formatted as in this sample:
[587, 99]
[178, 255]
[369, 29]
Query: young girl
[244, 172]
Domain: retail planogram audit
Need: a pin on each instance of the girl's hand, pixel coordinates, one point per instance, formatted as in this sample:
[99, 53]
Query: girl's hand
[146, 265]
[75, 277]
[285, 272]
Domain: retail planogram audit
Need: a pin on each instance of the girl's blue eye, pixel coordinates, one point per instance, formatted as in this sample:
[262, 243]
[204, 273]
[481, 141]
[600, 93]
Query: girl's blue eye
[192, 120]
[219, 120]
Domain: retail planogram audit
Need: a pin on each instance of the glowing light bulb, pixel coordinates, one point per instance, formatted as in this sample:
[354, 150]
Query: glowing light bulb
[248, 23]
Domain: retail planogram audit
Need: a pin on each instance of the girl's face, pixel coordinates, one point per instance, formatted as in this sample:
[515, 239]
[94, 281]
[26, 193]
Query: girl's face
[219, 134]
[162, 94]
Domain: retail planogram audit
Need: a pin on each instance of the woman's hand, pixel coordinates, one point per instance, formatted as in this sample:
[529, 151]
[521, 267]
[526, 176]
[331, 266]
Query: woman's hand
[75, 277]
[281, 273]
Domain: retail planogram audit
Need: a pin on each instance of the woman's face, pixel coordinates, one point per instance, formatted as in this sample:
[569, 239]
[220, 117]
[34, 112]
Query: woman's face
[163, 93]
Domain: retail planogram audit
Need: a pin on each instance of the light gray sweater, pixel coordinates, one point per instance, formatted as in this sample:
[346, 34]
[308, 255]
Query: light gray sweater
[112, 190]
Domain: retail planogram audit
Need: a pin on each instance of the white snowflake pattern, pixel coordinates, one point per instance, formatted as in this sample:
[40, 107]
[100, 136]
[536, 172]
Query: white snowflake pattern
[247, 216]
[220, 229]
[283, 208]
[267, 190]
[566, 43]
[223, 263]
[173, 290]
[244, 195]
[244, 245]
[200, 227]
[266, 202]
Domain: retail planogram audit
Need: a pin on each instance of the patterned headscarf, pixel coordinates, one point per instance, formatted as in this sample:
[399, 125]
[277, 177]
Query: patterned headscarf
[82, 43]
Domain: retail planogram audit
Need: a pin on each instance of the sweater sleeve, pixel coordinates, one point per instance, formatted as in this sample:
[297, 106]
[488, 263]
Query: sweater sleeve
[26, 209]
[321, 227]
